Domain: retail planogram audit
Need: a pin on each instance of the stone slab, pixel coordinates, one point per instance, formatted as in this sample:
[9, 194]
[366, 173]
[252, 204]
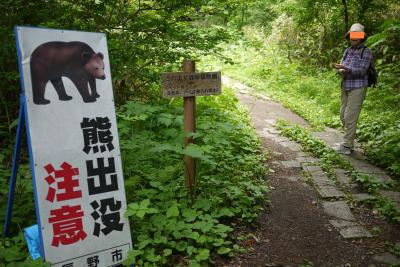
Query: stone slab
[368, 168]
[291, 164]
[342, 223]
[354, 232]
[291, 145]
[292, 178]
[311, 168]
[276, 153]
[319, 174]
[339, 210]
[387, 258]
[301, 154]
[322, 180]
[307, 159]
[330, 137]
[279, 139]
[267, 130]
[272, 130]
[383, 177]
[267, 135]
[328, 192]
[342, 176]
[363, 196]
[270, 121]
[364, 167]
[263, 97]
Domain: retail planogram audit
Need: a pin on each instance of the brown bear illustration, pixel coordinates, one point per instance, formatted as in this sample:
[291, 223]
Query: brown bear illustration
[75, 60]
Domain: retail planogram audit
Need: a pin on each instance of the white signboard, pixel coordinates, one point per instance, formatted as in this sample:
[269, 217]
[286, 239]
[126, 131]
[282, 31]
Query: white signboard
[74, 147]
[191, 84]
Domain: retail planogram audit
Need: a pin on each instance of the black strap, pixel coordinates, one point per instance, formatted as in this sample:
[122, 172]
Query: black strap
[362, 52]
[345, 53]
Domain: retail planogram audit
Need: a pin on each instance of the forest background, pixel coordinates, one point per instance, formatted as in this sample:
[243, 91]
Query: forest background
[284, 49]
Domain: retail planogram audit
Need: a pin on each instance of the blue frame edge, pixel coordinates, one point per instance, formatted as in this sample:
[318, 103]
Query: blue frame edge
[15, 165]
[24, 114]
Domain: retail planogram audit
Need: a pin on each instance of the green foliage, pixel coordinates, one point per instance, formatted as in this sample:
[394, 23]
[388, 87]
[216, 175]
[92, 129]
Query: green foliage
[140, 209]
[314, 94]
[168, 226]
[23, 205]
[392, 248]
[13, 252]
[387, 49]
[380, 131]
[306, 263]
[239, 14]
[284, 34]
[145, 38]
[261, 65]
[387, 208]
[320, 26]
[368, 182]
[310, 34]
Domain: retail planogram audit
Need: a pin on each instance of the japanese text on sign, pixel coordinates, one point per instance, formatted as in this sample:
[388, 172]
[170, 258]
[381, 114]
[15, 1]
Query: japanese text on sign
[191, 84]
[73, 136]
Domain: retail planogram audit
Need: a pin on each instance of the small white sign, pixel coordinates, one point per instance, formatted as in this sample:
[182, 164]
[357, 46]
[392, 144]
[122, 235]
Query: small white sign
[186, 84]
[74, 146]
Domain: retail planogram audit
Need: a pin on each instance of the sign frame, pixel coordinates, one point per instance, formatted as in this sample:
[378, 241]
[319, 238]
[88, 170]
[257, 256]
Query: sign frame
[23, 121]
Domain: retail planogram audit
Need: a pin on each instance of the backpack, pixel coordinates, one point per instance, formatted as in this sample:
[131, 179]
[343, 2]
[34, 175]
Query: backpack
[371, 72]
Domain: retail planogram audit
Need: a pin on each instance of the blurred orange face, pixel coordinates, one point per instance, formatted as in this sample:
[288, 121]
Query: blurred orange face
[357, 35]
[356, 38]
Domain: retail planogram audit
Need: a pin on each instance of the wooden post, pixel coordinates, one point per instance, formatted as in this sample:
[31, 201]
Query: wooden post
[189, 125]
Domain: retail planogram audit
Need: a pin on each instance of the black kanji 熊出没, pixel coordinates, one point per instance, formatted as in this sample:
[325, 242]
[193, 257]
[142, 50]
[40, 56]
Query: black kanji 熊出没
[110, 220]
[96, 134]
[101, 172]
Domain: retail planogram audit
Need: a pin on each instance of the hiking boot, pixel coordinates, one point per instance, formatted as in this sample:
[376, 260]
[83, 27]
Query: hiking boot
[345, 150]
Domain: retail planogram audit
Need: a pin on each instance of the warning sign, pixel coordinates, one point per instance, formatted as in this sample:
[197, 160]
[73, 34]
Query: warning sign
[74, 147]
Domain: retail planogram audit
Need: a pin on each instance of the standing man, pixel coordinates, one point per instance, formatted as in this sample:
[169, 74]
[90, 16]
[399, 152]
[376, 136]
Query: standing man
[354, 70]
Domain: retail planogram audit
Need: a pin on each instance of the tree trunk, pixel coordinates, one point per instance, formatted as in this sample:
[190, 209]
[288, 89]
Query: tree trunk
[346, 15]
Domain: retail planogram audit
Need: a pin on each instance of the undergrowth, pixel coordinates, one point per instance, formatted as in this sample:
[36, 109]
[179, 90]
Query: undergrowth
[169, 227]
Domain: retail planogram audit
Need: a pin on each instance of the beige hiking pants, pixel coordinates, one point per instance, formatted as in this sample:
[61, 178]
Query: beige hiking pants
[350, 108]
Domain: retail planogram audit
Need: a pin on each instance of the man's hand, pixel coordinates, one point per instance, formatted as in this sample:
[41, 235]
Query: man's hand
[341, 67]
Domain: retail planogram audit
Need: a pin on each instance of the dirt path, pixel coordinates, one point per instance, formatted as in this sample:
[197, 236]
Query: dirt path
[309, 218]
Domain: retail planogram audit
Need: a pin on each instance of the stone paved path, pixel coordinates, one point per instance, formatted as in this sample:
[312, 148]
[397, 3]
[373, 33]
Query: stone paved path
[331, 137]
[334, 194]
